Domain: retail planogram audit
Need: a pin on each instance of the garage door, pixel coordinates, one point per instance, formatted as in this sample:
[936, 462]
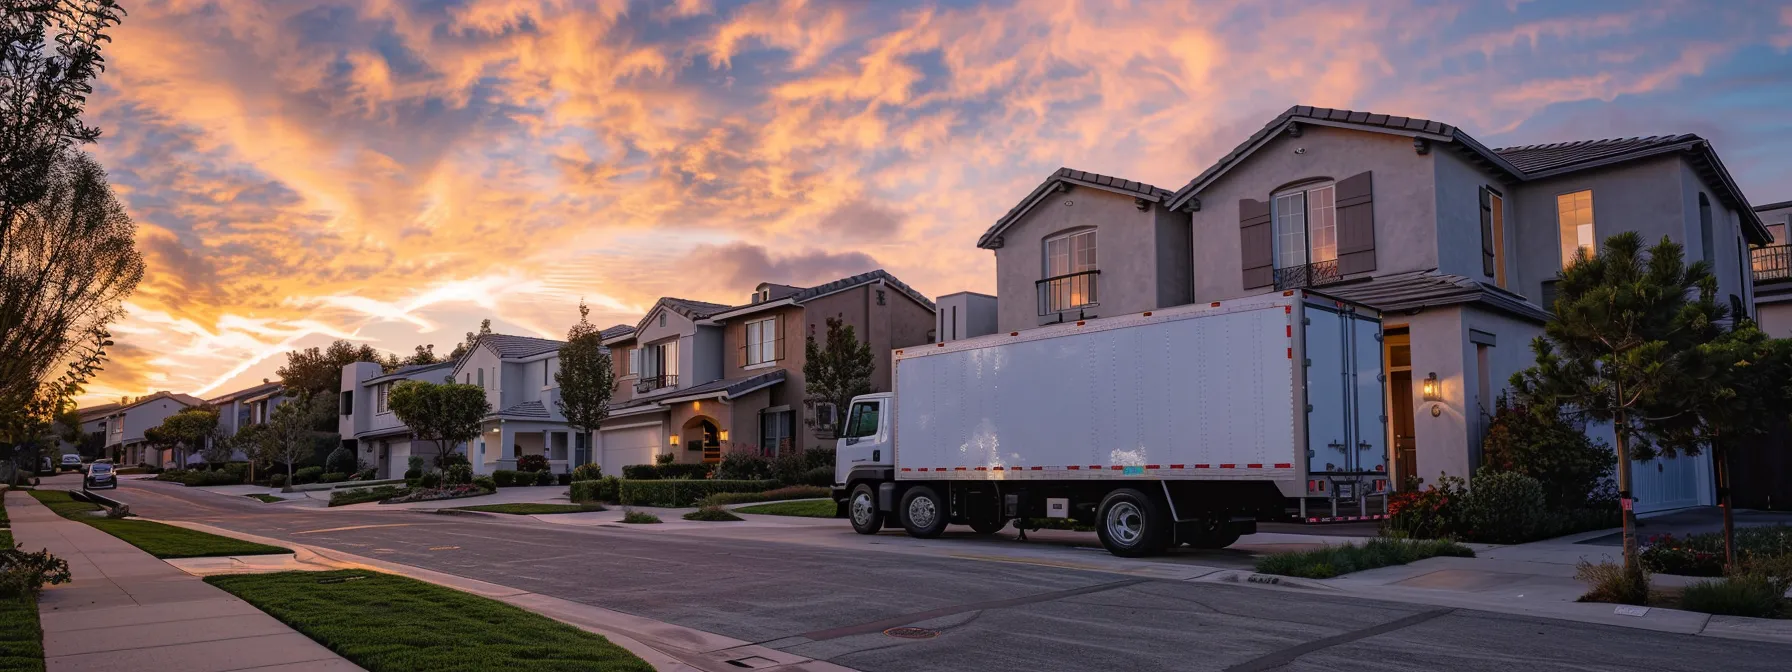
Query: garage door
[623, 447]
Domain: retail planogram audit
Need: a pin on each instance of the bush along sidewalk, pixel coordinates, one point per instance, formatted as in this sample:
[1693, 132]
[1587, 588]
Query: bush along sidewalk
[1343, 559]
[387, 623]
[532, 509]
[22, 576]
[157, 539]
[713, 514]
[808, 508]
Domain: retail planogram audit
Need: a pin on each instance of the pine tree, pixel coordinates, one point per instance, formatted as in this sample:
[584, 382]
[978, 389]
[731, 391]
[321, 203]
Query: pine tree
[836, 371]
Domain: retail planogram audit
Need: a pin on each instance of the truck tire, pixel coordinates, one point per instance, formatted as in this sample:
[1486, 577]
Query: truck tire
[861, 509]
[923, 512]
[1132, 525]
[1208, 535]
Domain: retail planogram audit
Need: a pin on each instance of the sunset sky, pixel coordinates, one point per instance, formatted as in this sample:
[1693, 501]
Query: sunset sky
[392, 171]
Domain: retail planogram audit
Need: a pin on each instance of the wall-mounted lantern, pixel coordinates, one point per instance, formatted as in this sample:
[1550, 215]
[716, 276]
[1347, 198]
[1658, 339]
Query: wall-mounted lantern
[674, 441]
[1429, 389]
[723, 435]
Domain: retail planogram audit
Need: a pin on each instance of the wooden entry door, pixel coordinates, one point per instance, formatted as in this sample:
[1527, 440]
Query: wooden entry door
[1400, 419]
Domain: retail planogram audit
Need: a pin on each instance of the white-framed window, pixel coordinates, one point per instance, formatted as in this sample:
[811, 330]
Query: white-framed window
[660, 360]
[1778, 227]
[482, 377]
[632, 362]
[776, 431]
[762, 341]
[1306, 225]
[1072, 252]
[380, 394]
[1574, 217]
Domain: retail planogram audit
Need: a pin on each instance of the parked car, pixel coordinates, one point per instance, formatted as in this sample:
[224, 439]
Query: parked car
[100, 475]
[45, 465]
[71, 462]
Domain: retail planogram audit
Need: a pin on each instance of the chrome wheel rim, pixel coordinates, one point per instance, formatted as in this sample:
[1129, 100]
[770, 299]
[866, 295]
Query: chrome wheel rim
[921, 512]
[861, 509]
[1125, 523]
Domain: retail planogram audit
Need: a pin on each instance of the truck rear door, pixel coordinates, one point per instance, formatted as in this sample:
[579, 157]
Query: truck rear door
[1346, 419]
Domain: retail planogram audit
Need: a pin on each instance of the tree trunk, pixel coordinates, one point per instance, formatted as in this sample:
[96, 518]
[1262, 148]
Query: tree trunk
[1632, 567]
[1722, 457]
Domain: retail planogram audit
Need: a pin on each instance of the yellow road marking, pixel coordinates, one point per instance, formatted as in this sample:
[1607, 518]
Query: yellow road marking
[354, 527]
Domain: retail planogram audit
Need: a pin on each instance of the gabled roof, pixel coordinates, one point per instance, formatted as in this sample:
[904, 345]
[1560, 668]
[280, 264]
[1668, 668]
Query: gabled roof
[692, 310]
[511, 347]
[182, 399]
[810, 293]
[1773, 206]
[616, 332]
[92, 412]
[1325, 116]
[727, 388]
[1414, 290]
[527, 409]
[1068, 176]
[405, 372]
[1526, 163]
[245, 392]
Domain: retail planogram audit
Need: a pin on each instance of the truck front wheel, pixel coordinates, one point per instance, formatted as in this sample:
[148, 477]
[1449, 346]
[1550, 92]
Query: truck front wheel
[1132, 524]
[861, 507]
[923, 512]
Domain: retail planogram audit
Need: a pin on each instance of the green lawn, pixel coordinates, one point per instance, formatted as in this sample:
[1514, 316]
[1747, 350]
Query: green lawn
[21, 640]
[157, 539]
[391, 623]
[1343, 559]
[265, 499]
[809, 508]
[533, 509]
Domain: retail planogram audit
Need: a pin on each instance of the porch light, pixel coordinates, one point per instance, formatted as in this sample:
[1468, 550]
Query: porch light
[722, 435]
[1429, 389]
[674, 441]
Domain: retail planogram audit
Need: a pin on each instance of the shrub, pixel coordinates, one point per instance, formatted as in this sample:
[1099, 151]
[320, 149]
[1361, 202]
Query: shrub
[1332, 561]
[1777, 569]
[340, 461]
[333, 477]
[601, 490]
[663, 459]
[432, 494]
[633, 517]
[363, 495]
[238, 469]
[563, 479]
[502, 477]
[587, 472]
[430, 480]
[277, 480]
[447, 460]
[532, 463]
[789, 467]
[485, 483]
[1742, 595]
[1432, 513]
[819, 476]
[640, 472]
[820, 457]
[457, 474]
[675, 493]
[1608, 582]
[544, 477]
[683, 470]
[415, 463]
[367, 474]
[713, 514]
[1686, 556]
[307, 475]
[1540, 443]
[412, 473]
[787, 492]
[743, 465]
[24, 574]
[1504, 508]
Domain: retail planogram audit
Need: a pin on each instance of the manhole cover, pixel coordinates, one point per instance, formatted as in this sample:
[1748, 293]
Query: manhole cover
[912, 633]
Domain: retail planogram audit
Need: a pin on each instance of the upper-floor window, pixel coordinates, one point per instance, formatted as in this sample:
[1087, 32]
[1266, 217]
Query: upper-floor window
[1306, 225]
[1777, 228]
[380, 393]
[657, 364]
[1071, 263]
[1707, 243]
[1574, 216]
[482, 377]
[762, 341]
[547, 379]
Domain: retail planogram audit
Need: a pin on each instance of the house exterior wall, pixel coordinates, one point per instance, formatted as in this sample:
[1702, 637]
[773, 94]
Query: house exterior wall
[964, 315]
[1775, 319]
[1643, 196]
[1127, 253]
[1403, 184]
[1729, 256]
[625, 379]
[1458, 204]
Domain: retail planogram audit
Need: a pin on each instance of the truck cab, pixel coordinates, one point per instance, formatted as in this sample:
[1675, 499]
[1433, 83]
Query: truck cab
[864, 456]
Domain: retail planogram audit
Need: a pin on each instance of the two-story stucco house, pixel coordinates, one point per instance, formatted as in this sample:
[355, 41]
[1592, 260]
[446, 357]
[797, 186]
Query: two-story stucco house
[1773, 271]
[124, 426]
[370, 428]
[93, 424]
[748, 389]
[245, 407]
[517, 373]
[1458, 245]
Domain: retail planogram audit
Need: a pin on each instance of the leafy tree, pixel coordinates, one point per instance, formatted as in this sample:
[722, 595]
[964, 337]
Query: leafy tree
[466, 346]
[316, 371]
[288, 436]
[585, 378]
[426, 354]
[51, 55]
[186, 430]
[837, 370]
[1739, 389]
[442, 413]
[1622, 345]
[1536, 441]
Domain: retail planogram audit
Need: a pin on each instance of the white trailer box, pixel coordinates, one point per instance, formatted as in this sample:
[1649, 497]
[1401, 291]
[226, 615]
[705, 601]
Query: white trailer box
[1284, 389]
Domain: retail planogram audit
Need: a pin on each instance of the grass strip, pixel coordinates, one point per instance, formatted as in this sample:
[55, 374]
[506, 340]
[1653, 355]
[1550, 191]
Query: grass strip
[811, 508]
[157, 539]
[713, 514]
[390, 623]
[780, 494]
[1331, 561]
[265, 499]
[533, 509]
[21, 639]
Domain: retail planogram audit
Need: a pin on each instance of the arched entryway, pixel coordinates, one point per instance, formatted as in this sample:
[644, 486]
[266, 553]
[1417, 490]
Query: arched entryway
[702, 434]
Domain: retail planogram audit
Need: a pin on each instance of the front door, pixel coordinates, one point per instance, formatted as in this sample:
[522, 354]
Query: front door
[1399, 359]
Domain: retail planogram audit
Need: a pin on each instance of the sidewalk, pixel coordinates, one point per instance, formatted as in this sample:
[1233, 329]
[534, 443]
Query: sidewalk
[127, 610]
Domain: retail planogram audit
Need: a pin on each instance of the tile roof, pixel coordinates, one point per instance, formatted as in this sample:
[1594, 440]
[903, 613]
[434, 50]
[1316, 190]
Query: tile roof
[695, 310]
[826, 288]
[731, 387]
[615, 331]
[410, 370]
[1558, 155]
[96, 411]
[245, 392]
[1773, 206]
[519, 346]
[1084, 178]
[527, 409]
[1425, 289]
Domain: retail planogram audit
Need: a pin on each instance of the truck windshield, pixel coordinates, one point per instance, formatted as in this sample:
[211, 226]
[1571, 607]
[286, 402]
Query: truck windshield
[863, 420]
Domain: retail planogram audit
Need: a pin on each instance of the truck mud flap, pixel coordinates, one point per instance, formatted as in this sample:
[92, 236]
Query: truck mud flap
[886, 496]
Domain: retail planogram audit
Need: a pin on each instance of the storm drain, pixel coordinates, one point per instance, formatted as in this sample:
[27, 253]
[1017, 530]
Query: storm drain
[912, 633]
[752, 662]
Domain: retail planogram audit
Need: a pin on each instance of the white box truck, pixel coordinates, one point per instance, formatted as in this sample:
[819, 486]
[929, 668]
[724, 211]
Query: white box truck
[1184, 425]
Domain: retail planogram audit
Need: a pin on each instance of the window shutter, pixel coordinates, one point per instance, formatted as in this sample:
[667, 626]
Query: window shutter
[1356, 224]
[1487, 257]
[634, 361]
[1256, 243]
[777, 337]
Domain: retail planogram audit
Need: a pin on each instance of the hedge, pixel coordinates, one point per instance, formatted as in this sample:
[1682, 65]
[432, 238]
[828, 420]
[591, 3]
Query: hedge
[508, 478]
[601, 490]
[682, 492]
[648, 472]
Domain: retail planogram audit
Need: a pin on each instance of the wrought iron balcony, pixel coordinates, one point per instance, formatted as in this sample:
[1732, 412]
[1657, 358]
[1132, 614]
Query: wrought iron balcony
[650, 383]
[1308, 275]
[1772, 262]
[1073, 291]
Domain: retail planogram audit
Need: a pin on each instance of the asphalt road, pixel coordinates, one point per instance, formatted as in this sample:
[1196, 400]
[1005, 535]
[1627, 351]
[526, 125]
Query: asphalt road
[835, 604]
